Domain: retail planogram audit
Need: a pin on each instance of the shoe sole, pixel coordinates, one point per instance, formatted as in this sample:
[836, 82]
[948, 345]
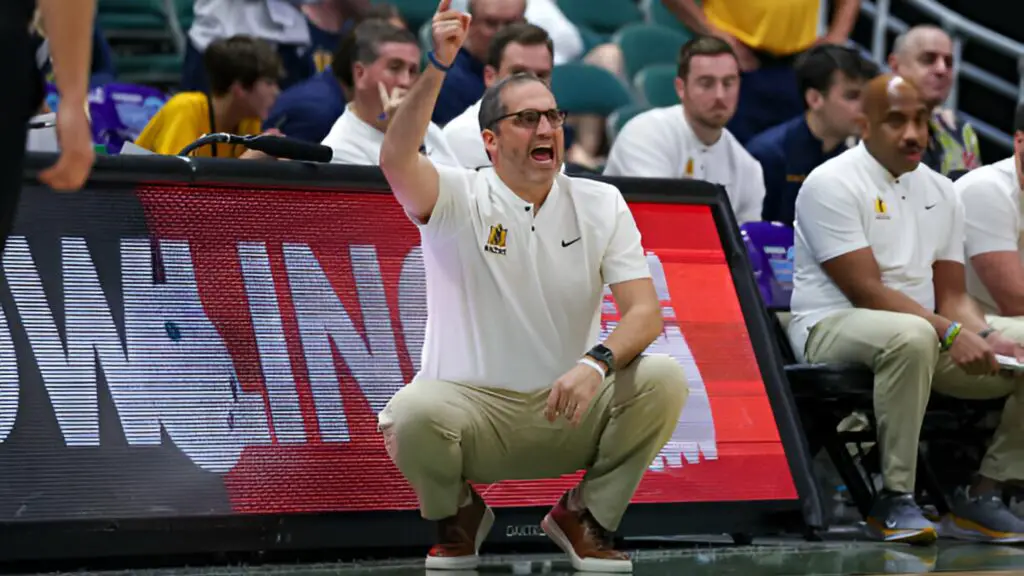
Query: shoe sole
[550, 527]
[921, 537]
[465, 562]
[953, 529]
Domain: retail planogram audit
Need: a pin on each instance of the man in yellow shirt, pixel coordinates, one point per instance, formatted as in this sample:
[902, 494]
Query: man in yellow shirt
[243, 74]
[767, 36]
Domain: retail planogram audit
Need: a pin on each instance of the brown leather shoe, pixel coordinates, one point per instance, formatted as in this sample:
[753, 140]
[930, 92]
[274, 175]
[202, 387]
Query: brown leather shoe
[459, 537]
[587, 543]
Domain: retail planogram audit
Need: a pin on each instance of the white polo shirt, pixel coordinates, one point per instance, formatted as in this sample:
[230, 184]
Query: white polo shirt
[659, 143]
[356, 142]
[852, 202]
[513, 297]
[992, 215]
[463, 136]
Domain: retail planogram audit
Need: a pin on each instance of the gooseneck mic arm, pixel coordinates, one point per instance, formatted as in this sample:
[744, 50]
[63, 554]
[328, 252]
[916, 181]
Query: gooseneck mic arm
[207, 139]
[275, 146]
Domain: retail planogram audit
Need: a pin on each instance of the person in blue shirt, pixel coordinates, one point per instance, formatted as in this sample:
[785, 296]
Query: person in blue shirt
[464, 83]
[831, 79]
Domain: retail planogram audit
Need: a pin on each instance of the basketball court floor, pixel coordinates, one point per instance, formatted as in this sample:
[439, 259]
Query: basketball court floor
[767, 558]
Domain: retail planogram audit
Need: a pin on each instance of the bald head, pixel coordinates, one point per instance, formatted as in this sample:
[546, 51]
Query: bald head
[896, 128]
[885, 92]
[913, 40]
[924, 55]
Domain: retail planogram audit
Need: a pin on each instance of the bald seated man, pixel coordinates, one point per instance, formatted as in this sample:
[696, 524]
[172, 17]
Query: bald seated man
[879, 280]
[924, 55]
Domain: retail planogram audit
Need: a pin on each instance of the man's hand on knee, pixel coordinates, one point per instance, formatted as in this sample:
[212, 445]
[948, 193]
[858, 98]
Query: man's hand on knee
[571, 394]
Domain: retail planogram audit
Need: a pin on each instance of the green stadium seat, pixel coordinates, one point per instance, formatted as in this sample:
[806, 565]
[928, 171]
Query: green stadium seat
[658, 14]
[601, 16]
[656, 84]
[122, 18]
[584, 89]
[415, 12]
[149, 69]
[185, 14]
[619, 117]
[644, 44]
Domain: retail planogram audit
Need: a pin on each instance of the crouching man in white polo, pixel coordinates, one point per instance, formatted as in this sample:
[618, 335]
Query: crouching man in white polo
[517, 257]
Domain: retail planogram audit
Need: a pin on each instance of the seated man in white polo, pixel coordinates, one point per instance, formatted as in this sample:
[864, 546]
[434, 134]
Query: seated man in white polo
[690, 140]
[514, 49]
[879, 281]
[991, 196]
[384, 64]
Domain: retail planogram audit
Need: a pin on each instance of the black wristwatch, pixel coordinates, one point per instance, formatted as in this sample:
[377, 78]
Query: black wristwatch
[601, 353]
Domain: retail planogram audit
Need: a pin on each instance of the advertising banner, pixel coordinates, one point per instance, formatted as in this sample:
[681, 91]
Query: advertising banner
[179, 351]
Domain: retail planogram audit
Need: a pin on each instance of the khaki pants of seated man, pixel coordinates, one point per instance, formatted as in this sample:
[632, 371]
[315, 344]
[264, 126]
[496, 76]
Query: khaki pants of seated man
[441, 434]
[903, 352]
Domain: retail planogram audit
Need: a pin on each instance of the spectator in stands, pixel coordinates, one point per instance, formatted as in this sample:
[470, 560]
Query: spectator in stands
[330, 20]
[767, 36]
[879, 281]
[384, 64]
[924, 54]
[690, 140]
[831, 78]
[308, 109]
[464, 83]
[516, 48]
[243, 74]
[992, 196]
[279, 22]
[508, 387]
[101, 67]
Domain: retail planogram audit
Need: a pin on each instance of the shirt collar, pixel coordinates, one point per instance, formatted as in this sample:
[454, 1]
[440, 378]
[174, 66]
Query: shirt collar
[692, 136]
[513, 199]
[875, 168]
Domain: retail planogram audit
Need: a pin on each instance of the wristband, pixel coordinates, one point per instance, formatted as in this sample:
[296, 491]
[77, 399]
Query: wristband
[436, 63]
[950, 336]
[593, 364]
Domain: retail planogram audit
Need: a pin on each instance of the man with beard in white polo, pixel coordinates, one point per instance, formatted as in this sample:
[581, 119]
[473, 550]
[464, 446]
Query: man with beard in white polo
[514, 384]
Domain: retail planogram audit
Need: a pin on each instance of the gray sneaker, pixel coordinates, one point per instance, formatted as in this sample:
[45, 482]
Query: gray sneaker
[982, 518]
[897, 518]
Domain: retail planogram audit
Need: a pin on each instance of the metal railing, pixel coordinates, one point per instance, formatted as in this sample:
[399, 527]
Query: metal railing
[960, 30]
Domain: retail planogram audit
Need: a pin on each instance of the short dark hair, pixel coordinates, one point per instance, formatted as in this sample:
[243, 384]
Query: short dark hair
[521, 33]
[816, 69]
[243, 59]
[362, 44]
[702, 46]
[382, 11]
[492, 106]
[1018, 118]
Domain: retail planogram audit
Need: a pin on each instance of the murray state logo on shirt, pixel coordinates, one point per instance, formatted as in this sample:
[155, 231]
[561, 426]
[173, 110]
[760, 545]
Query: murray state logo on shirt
[881, 210]
[496, 239]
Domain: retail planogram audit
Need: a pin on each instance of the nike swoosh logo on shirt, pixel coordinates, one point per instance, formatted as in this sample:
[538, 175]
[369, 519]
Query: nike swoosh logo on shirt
[930, 207]
[571, 242]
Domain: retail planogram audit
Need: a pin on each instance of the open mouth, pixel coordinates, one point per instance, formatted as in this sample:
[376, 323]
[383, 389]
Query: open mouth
[542, 154]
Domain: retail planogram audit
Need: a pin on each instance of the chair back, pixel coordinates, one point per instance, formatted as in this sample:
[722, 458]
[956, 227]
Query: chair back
[770, 245]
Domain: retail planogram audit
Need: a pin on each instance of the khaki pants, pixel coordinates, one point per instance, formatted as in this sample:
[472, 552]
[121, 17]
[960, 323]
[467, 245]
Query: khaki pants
[903, 352]
[441, 434]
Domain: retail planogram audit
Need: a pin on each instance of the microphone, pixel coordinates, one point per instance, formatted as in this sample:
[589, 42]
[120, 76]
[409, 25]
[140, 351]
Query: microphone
[276, 146]
[289, 148]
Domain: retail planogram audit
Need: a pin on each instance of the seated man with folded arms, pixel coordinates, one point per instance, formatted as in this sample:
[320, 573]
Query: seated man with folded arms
[514, 383]
[991, 196]
[879, 280]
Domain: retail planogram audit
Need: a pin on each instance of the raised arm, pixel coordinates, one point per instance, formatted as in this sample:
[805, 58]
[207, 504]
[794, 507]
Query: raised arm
[412, 177]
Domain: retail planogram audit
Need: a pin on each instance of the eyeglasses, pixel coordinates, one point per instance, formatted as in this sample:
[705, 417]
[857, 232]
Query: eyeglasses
[530, 118]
